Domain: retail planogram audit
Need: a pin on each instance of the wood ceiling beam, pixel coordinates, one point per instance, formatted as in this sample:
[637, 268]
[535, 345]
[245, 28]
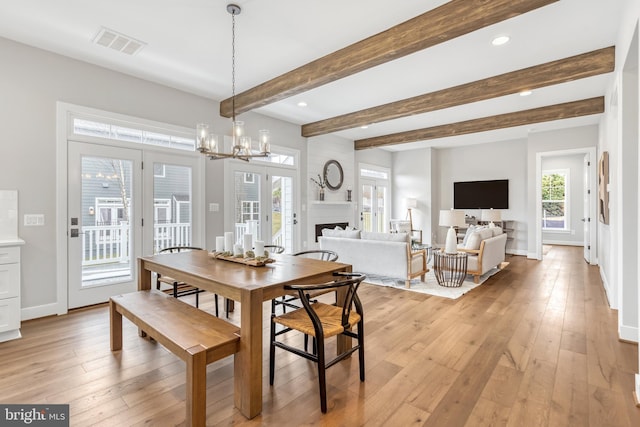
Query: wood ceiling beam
[561, 71]
[451, 20]
[567, 110]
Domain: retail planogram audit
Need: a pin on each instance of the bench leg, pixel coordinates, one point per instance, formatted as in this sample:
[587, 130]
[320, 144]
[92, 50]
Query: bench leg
[116, 327]
[196, 385]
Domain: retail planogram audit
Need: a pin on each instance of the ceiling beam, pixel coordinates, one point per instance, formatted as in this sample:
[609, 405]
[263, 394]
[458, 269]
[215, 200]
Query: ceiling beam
[561, 71]
[451, 20]
[567, 110]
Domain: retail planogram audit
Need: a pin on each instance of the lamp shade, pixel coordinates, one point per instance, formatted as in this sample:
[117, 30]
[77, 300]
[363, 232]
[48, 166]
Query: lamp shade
[491, 215]
[412, 203]
[451, 218]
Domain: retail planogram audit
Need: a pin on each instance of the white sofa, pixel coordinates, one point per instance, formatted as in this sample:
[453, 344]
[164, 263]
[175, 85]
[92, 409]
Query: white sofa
[385, 254]
[485, 248]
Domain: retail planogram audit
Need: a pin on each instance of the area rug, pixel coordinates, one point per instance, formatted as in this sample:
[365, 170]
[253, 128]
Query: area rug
[430, 286]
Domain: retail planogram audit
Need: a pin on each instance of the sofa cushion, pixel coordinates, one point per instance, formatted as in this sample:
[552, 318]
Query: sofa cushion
[349, 234]
[474, 240]
[470, 230]
[386, 237]
[496, 231]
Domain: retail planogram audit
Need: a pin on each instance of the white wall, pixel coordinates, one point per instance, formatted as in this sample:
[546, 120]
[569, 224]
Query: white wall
[334, 208]
[575, 165]
[412, 178]
[31, 82]
[498, 160]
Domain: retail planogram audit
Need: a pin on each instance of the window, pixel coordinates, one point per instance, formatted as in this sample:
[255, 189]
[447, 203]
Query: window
[159, 170]
[250, 210]
[162, 211]
[122, 133]
[555, 196]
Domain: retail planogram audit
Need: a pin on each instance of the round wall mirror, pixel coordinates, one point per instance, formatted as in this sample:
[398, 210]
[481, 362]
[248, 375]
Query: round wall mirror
[333, 174]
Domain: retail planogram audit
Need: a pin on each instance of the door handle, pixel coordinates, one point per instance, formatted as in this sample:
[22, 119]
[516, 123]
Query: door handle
[73, 232]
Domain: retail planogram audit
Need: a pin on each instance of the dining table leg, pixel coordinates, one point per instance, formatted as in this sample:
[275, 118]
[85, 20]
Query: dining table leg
[248, 360]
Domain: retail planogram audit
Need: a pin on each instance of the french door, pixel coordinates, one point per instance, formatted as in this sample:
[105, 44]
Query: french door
[374, 209]
[263, 204]
[118, 211]
[104, 208]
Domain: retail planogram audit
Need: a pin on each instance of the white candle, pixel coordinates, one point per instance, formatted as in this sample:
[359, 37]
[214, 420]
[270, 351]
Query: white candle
[248, 242]
[228, 241]
[259, 251]
[219, 243]
[237, 250]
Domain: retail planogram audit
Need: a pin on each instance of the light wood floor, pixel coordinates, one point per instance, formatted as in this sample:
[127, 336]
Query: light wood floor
[533, 346]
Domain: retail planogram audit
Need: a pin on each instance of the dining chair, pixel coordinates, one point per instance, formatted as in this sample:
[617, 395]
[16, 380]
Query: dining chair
[287, 300]
[322, 321]
[274, 249]
[180, 289]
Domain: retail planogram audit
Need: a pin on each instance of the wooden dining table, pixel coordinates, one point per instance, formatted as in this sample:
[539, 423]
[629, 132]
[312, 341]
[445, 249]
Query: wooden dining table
[251, 286]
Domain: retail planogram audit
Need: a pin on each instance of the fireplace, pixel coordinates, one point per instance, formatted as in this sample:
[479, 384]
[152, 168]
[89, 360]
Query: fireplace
[320, 227]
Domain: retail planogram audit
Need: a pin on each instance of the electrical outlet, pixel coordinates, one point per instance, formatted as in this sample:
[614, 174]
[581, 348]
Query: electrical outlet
[33, 220]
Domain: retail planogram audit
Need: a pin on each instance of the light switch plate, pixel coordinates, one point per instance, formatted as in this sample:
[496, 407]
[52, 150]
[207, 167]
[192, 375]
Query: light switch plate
[33, 220]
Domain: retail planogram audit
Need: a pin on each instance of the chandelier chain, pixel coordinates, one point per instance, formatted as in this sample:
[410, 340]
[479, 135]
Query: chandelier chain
[233, 66]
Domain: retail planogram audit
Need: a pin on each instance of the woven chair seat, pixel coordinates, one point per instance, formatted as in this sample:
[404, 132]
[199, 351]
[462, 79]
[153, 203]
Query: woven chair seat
[330, 318]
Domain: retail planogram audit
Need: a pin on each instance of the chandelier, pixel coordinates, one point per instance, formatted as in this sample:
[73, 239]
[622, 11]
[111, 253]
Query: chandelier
[208, 143]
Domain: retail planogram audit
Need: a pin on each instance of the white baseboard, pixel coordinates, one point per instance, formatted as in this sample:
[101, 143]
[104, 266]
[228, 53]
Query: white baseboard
[521, 252]
[39, 311]
[628, 333]
[532, 255]
[637, 389]
[562, 243]
[613, 304]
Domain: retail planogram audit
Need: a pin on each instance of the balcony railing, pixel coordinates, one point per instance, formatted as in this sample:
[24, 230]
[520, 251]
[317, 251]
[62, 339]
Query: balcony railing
[103, 244]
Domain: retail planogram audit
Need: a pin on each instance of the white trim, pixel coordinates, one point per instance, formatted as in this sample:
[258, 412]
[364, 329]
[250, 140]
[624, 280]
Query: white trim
[561, 242]
[593, 185]
[519, 252]
[65, 112]
[637, 389]
[628, 333]
[608, 290]
[28, 313]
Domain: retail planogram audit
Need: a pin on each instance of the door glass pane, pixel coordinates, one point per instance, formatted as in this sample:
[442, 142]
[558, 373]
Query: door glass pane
[282, 212]
[106, 219]
[172, 202]
[367, 207]
[247, 204]
[381, 208]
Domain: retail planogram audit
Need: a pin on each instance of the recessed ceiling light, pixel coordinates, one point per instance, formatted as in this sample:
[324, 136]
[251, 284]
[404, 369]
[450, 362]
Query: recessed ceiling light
[525, 93]
[302, 104]
[364, 127]
[500, 40]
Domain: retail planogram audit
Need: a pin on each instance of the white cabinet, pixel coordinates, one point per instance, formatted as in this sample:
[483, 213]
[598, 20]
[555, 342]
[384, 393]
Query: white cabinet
[10, 289]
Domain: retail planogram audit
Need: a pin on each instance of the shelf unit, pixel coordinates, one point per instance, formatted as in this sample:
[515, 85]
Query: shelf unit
[329, 202]
[508, 227]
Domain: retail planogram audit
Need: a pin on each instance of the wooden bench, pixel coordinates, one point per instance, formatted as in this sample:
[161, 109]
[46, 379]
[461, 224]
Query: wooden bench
[193, 335]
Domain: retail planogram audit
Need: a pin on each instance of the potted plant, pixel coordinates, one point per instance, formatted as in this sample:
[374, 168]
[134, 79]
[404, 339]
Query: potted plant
[321, 183]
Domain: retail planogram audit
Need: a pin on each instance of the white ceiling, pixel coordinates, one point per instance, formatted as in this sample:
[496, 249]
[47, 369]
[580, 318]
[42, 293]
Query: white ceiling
[189, 48]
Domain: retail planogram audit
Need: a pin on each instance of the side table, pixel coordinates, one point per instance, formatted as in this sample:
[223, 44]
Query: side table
[450, 269]
[419, 246]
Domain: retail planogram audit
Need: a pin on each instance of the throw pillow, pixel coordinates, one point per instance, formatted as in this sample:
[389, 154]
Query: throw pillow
[348, 234]
[485, 233]
[473, 242]
[470, 230]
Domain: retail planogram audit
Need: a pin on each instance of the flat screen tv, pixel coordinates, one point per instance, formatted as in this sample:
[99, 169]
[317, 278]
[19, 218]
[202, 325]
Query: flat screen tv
[481, 194]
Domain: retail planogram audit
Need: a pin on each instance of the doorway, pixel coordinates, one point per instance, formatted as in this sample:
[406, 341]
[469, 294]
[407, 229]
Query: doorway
[262, 202]
[557, 222]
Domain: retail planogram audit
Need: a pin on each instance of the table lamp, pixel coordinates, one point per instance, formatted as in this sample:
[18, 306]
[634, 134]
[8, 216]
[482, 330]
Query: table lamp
[491, 215]
[451, 218]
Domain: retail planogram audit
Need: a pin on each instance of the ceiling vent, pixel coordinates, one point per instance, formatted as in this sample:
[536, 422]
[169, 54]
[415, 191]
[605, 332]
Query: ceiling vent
[117, 41]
